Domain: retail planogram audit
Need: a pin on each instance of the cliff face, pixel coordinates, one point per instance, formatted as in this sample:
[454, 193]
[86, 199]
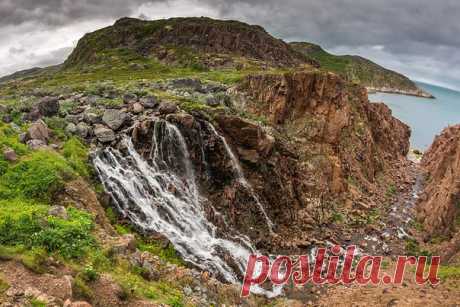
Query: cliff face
[361, 70]
[440, 202]
[328, 116]
[324, 146]
[171, 38]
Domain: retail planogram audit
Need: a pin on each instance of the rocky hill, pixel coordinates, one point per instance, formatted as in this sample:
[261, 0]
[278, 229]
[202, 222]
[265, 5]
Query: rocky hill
[132, 176]
[176, 39]
[361, 70]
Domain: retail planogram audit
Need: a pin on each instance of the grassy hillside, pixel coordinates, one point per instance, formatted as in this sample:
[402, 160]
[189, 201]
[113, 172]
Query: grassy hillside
[360, 70]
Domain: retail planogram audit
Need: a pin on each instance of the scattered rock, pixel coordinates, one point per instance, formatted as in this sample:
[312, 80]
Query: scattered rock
[38, 131]
[23, 137]
[48, 106]
[167, 108]
[114, 118]
[103, 134]
[185, 120]
[69, 303]
[83, 130]
[92, 118]
[71, 128]
[74, 119]
[127, 98]
[7, 118]
[149, 102]
[10, 155]
[193, 84]
[58, 211]
[32, 116]
[125, 244]
[138, 108]
[36, 144]
[92, 100]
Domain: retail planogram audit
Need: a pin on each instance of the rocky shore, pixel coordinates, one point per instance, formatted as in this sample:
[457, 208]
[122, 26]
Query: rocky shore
[417, 92]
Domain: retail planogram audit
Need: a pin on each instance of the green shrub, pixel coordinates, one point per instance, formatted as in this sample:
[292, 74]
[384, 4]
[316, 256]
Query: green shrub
[57, 125]
[3, 165]
[89, 274]
[40, 175]
[9, 138]
[77, 155]
[27, 224]
[70, 238]
[81, 289]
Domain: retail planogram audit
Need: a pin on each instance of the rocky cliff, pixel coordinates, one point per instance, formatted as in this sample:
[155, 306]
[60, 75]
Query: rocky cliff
[440, 203]
[176, 38]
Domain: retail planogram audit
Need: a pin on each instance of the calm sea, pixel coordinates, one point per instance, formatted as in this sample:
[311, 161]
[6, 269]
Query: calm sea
[426, 117]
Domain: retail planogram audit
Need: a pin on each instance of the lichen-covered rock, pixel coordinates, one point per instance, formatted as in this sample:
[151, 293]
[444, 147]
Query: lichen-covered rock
[103, 134]
[10, 155]
[58, 211]
[114, 118]
[149, 102]
[167, 108]
[71, 128]
[36, 144]
[83, 130]
[38, 131]
[48, 106]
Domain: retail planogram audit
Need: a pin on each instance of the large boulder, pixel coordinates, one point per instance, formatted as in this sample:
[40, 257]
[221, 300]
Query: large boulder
[36, 144]
[167, 108]
[104, 134]
[83, 130]
[251, 137]
[149, 102]
[10, 155]
[38, 131]
[48, 106]
[114, 118]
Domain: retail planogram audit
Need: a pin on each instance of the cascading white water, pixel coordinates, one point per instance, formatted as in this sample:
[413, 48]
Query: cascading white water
[242, 179]
[161, 196]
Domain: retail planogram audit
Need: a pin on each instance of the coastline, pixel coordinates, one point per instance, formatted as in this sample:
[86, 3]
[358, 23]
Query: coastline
[417, 93]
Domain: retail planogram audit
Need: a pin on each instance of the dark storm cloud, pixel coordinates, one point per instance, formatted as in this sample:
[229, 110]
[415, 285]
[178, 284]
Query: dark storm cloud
[401, 34]
[60, 12]
[354, 22]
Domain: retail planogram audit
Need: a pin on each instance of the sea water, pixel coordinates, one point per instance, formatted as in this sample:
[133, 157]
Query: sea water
[426, 117]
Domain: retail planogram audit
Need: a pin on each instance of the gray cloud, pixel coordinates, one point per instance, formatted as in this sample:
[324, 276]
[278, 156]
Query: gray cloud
[60, 12]
[419, 38]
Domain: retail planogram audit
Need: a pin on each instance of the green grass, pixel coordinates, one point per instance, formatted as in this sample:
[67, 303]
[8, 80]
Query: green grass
[26, 224]
[168, 254]
[57, 125]
[39, 175]
[77, 155]
[3, 285]
[9, 138]
[36, 303]
[449, 272]
[391, 191]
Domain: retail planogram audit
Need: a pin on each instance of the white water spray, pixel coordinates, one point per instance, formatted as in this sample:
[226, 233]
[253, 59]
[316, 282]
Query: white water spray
[162, 196]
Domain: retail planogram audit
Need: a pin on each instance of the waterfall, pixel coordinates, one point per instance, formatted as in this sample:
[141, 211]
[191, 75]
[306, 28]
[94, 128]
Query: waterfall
[161, 195]
[242, 179]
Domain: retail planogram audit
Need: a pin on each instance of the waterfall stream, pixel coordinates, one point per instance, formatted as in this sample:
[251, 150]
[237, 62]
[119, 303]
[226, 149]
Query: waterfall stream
[161, 195]
[242, 179]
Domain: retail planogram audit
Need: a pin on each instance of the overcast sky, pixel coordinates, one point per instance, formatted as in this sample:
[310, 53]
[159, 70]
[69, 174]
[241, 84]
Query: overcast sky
[419, 38]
